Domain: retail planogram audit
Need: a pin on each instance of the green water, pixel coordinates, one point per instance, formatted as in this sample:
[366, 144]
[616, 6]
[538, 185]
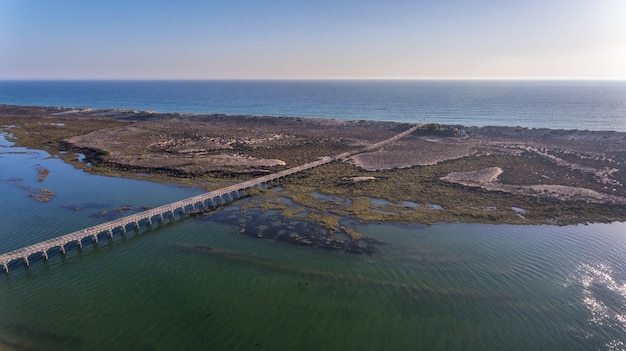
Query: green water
[197, 284]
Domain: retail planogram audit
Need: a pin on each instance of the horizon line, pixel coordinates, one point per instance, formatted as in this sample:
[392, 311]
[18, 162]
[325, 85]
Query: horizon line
[326, 79]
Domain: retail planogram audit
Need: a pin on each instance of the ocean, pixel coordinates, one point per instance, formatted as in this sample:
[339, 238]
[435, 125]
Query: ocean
[442, 287]
[585, 105]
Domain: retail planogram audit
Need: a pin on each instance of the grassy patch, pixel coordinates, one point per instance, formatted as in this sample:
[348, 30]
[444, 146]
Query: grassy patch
[417, 184]
[460, 203]
[42, 173]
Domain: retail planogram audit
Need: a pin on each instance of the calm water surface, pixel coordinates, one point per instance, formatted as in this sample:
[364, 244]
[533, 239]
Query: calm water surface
[592, 105]
[445, 287]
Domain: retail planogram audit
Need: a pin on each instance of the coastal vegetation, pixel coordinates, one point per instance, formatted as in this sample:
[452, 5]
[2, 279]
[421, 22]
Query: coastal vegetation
[453, 203]
[42, 172]
[543, 177]
[42, 195]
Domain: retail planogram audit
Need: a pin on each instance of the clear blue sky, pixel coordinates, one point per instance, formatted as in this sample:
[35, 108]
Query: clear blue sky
[316, 39]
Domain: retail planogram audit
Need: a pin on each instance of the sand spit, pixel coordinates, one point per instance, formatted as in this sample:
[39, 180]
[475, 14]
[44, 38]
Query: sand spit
[436, 164]
[487, 179]
[472, 178]
[414, 151]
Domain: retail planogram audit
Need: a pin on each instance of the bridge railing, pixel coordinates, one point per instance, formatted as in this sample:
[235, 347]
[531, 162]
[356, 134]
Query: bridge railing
[94, 231]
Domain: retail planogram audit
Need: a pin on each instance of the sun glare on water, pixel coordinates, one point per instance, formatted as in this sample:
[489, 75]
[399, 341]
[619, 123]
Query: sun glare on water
[604, 296]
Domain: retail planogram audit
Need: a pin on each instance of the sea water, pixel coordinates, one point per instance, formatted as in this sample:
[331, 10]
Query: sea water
[591, 105]
[198, 284]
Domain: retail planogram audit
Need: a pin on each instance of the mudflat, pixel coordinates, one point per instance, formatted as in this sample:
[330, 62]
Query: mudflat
[437, 174]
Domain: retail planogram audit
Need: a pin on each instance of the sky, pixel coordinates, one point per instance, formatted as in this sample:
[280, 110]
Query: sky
[316, 39]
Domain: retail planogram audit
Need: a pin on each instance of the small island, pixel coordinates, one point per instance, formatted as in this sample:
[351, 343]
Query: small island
[439, 173]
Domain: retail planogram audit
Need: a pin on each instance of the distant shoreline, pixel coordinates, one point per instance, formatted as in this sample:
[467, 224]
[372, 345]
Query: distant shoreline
[556, 104]
[139, 114]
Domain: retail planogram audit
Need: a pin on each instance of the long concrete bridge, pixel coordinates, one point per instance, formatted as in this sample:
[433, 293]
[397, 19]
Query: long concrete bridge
[195, 204]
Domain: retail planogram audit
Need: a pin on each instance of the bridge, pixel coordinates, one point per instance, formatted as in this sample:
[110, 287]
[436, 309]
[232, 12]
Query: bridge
[195, 204]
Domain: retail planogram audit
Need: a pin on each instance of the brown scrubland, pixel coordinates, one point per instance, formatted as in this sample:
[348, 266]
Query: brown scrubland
[471, 174]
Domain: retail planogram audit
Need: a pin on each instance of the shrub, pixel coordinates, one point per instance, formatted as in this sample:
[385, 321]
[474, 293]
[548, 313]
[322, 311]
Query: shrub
[104, 152]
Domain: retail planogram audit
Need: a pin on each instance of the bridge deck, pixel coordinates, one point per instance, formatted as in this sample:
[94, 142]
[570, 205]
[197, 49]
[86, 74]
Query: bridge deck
[93, 231]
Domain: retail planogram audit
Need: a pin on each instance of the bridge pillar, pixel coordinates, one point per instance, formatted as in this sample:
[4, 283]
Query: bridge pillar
[6, 268]
[62, 248]
[45, 255]
[94, 237]
[80, 243]
[181, 212]
[123, 230]
[160, 219]
[149, 222]
[171, 215]
[201, 207]
[26, 261]
[110, 233]
[136, 225]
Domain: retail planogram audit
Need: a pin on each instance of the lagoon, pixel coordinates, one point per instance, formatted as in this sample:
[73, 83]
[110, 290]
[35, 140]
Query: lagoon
[199, 284]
